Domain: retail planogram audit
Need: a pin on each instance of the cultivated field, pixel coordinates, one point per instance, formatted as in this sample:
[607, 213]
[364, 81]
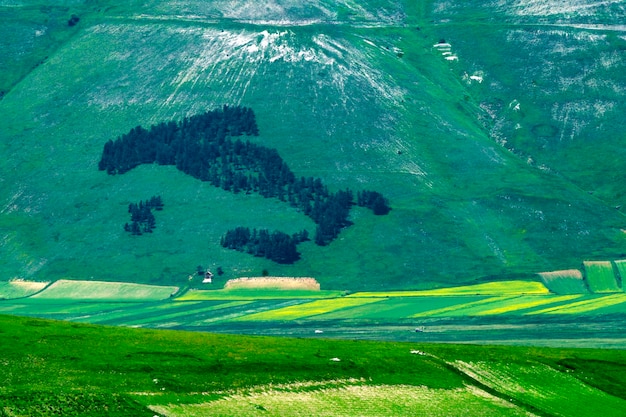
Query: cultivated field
[525, 313]
[104, 291]
[20, 288]
[601, 277]
[568, 281]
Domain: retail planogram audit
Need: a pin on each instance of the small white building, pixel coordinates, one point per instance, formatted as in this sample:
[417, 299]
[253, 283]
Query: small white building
[208, 277]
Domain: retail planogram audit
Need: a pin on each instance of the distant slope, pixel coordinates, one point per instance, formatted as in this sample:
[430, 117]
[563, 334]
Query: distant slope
[552, 82]
[356, 94]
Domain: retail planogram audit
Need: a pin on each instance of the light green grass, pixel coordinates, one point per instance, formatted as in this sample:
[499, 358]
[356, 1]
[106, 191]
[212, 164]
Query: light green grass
[98, 290]
[20, 288]
[600, 277]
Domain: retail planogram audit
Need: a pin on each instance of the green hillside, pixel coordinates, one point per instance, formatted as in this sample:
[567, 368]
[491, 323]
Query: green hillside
[363, 95]
[86, 370]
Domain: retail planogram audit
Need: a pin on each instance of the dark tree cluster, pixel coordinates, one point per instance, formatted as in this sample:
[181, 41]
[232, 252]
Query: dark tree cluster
[373, 200]
[141, 218]
[276, 246]
[205, 146]
[194, 144]
[73, 21]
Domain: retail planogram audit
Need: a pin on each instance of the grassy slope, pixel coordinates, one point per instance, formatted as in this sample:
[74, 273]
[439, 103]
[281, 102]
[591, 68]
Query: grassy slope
[81, 370]
[563, 64]
[337, 101]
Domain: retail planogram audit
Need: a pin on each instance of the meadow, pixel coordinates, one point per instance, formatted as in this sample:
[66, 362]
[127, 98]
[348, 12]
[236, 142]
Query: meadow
[86, 370]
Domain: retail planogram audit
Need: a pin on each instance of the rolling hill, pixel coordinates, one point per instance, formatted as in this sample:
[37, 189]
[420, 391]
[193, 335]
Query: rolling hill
[493, 129]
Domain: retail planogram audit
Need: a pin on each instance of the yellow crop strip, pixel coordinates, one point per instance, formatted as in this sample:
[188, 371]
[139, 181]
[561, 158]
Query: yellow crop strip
[313, 308]
[528, 302]
[488, 288]
[585, 306]
[458, 307]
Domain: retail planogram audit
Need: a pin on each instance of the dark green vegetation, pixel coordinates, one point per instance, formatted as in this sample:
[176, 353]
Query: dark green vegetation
[84, 370]
[517, 174]
[202, 147]
[141, 217]
[277, 246]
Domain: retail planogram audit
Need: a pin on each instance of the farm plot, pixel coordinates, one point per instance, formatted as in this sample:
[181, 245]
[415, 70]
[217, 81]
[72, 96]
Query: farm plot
[468, 308]
[488, 288]
[20, 288]
[399, 307]
[569, 281]
[243, 294]
[361, 400]
[104, 291]
[601, 277]
[238, 312]
[185, 315]
[520, 305]
[127, 312]
[550, 391]
[59, 311]
[588, 305]
[313, 308]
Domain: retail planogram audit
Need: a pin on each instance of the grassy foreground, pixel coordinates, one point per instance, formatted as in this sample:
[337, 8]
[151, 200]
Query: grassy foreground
[54, 368]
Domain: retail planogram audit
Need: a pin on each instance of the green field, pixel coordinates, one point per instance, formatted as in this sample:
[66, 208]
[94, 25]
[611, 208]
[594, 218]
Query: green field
[104, 291]
[86, 370]
[524, 313]
[601, 277]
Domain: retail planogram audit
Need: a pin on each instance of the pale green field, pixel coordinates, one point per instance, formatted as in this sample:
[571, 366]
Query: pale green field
[104, 291]
[19, 288]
